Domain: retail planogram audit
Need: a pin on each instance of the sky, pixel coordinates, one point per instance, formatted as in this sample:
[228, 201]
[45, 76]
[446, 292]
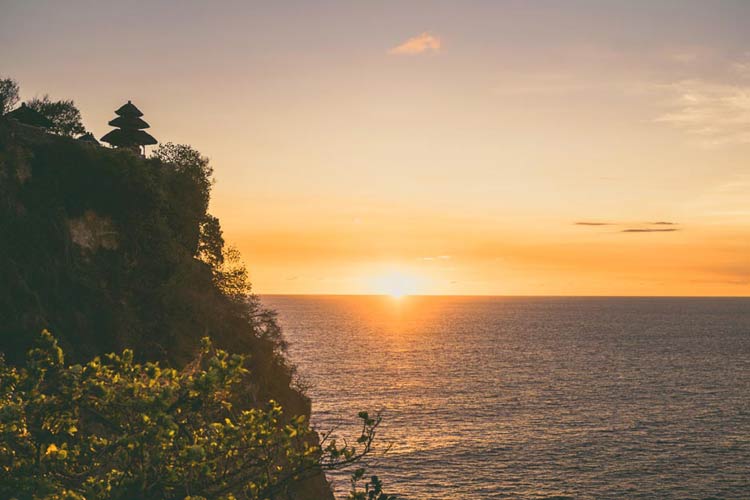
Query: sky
[435, 147]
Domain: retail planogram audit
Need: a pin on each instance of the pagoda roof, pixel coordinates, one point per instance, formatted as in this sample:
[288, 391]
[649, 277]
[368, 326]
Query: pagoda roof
[88, 137]
[129, 137]
[128, 109]
[130, 122]
[28, 116]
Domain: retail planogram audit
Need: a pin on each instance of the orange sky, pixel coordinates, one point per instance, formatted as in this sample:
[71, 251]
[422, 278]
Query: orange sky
[432, 146]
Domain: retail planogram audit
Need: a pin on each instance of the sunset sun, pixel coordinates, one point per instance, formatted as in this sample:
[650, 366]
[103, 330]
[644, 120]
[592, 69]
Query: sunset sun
[395, 284]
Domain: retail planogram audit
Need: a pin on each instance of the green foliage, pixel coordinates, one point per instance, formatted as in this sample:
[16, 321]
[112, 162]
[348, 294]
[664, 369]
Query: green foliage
[190, 190]
[211, 242]
[64, 115]
[116, 429]
[8, 95]
[170, 281]
[187, 160]
[373, 488]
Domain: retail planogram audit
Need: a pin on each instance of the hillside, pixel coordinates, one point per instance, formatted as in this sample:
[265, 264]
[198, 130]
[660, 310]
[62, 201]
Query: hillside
[110, 250]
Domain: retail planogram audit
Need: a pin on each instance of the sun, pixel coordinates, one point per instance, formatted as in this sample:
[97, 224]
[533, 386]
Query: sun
[395, 284]
[397, 292]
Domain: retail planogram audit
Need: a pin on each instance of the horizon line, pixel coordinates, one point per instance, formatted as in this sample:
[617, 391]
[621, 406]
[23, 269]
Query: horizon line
[385, 295]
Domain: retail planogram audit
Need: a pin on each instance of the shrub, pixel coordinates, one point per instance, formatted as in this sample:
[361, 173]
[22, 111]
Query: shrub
[113, 429]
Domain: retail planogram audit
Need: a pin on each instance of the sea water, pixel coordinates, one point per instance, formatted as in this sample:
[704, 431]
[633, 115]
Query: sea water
[534, 397]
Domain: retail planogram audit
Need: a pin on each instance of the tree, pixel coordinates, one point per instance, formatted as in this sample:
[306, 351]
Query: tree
[211, 242]
[190, 187]
[8, 95]
[64, 115]
[113, 429]
[188, 160]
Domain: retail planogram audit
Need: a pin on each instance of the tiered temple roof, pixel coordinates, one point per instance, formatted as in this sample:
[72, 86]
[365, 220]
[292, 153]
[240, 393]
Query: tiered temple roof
[129, 132]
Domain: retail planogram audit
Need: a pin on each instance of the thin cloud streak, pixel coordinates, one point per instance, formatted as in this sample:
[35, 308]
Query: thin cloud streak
[657, 223]
[419, 44]
[650, 230]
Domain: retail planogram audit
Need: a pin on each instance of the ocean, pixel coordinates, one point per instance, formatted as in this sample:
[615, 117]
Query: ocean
[489, 397]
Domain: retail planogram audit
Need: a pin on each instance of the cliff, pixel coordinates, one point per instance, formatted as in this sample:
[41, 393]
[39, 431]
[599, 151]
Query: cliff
[102, 247]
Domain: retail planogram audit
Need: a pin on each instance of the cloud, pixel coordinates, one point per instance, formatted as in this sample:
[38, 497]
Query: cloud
[715, 113]
[417, 45]
[633, 230]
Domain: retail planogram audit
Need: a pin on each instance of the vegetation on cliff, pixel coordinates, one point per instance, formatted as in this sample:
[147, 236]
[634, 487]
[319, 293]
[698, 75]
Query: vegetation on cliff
[60, 117]
[113, 251]
[114, 429]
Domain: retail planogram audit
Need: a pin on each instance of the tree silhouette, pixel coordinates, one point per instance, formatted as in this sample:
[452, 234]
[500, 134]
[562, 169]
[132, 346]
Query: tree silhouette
[64, 115]
[8, 95]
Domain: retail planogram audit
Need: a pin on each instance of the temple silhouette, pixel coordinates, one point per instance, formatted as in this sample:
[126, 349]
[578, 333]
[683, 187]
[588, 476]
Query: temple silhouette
[28, 116]
[129, 133]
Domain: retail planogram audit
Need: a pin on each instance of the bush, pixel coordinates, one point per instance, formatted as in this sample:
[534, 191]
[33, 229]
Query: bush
[113, 429]
[64, 115]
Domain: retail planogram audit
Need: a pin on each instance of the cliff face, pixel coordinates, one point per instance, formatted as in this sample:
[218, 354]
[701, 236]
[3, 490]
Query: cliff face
[99, 246]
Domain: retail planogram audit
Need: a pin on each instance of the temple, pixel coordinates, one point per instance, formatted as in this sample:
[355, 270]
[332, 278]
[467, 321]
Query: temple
[28, 116]
[129, 132]
[88, 137]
